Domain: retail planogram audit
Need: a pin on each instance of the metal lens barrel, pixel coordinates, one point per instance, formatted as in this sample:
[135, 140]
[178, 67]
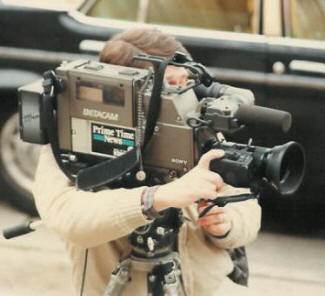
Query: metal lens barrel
[285, 167]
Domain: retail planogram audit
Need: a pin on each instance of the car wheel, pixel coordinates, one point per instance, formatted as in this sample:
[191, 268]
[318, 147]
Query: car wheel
[18, 161]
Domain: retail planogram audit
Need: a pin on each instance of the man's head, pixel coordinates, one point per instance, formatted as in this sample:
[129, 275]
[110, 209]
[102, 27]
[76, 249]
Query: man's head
[121, 49]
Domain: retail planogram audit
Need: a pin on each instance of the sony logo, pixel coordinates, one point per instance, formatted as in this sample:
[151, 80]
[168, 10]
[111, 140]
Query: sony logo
[100, 114]
[179, 161]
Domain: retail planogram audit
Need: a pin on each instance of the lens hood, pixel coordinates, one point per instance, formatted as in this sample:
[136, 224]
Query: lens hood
[285, 167]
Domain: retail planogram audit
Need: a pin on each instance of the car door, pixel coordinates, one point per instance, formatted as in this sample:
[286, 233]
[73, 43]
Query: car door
[296, 83]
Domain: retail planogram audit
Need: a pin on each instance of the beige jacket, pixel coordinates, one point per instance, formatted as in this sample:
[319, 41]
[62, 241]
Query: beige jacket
[101, 222]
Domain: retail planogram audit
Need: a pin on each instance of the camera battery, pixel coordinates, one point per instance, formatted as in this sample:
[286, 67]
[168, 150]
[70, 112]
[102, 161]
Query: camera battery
[30, 110]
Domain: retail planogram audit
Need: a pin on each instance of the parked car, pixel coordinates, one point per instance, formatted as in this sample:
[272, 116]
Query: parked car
[276, 48]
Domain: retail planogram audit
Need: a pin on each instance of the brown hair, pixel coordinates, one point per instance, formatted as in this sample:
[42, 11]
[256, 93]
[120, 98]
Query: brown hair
[123, 47]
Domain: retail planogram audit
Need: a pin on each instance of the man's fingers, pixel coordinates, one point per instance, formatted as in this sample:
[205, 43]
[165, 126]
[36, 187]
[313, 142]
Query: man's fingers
[208, 193]
[213, 211]
[176, 75]
[213, 178]
[207, 157]
[218, 229]
[213, 219]
[202, 204]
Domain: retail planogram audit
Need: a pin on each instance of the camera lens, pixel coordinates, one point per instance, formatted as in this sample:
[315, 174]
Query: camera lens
[284, 173]
[285, 167]
[291, 168]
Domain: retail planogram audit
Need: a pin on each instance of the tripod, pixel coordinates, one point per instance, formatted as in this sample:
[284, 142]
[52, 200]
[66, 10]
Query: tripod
[153, 251]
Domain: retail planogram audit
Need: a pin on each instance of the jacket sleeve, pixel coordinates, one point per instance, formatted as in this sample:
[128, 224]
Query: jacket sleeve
[246, 221]
[84, 218]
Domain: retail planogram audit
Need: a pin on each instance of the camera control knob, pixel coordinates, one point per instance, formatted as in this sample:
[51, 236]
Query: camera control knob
[150, 244]
[227, 112]
[233, 155]
[140, 239]
[160, 230]
[141, 175]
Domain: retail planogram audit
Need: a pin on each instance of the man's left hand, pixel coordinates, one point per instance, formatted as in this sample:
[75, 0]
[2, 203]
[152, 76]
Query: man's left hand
[217, 221]
[176, 76]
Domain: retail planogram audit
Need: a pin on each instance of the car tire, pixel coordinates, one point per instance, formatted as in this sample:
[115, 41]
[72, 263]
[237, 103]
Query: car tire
[18, 161]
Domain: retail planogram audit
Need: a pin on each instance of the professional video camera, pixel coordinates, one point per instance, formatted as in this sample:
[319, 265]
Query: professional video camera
[105, 122]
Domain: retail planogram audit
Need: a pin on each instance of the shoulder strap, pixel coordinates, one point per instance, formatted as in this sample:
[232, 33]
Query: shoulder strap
[107, 171]
[155, 100]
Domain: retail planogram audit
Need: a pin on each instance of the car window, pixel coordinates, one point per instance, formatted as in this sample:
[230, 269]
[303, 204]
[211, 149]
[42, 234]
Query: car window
[227, 15]
[307, 19]
[209, 14]
[47, 4]
[115, 9]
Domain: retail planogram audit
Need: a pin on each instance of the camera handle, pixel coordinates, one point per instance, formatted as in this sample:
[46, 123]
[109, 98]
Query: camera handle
[201, 73]
[222, 201]
[21, 229]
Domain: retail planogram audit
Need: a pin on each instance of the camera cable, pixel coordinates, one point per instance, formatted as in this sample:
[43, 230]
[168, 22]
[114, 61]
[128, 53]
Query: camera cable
[82, 286]
[223, 200]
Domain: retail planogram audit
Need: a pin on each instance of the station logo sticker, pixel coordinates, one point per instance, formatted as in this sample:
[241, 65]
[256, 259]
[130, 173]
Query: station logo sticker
[111, 140]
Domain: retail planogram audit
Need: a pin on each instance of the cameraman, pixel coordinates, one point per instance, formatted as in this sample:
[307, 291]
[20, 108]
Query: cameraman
[95, 225]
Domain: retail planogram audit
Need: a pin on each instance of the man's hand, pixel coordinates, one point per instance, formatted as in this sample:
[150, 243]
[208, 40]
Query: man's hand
[217, 221]
[176, 76]
[198, 183]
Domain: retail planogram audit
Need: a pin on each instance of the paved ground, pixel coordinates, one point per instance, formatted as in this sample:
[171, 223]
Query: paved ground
[36, 265]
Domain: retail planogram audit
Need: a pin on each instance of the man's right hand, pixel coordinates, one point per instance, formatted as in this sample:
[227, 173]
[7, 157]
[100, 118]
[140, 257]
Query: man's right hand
[198, 183]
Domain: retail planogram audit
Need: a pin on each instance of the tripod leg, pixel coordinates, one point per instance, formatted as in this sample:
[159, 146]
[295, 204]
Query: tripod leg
[119, 278]
[165, 279]
[172, 285]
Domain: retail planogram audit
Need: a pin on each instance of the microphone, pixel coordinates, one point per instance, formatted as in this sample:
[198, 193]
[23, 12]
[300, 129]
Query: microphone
[270, 118]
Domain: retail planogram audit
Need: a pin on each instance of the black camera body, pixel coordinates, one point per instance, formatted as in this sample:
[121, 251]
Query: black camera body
[246, 165]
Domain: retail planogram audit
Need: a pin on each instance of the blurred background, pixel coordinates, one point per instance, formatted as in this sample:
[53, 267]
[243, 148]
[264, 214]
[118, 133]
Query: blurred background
[276, 48]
